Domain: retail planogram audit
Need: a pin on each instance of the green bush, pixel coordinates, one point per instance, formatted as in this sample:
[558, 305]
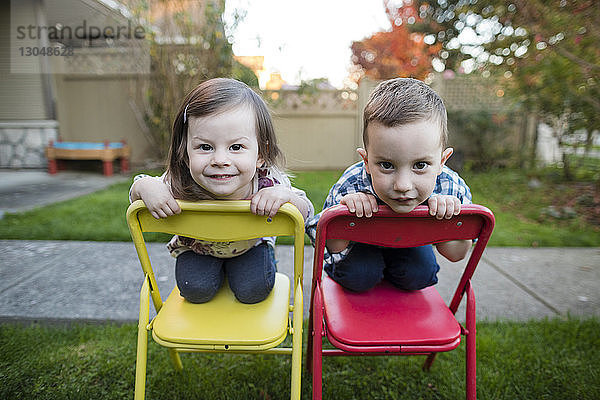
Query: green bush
[483, 140]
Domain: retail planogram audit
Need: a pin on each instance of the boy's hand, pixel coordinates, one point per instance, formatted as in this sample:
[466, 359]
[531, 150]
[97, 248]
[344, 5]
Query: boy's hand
[157, 197]
[444, 206]
[267, 201]
[360, 204]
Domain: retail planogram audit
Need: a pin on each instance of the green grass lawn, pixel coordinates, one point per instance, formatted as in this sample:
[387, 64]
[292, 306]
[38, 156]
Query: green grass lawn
[522, 217]
[521, 212]
[551, 359]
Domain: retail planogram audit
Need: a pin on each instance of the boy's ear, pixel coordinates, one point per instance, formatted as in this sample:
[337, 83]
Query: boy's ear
[363, 154]
[445, 156]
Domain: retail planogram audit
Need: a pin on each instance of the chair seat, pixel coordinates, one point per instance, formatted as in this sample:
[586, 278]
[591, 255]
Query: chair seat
[410, 318]
[224, 322]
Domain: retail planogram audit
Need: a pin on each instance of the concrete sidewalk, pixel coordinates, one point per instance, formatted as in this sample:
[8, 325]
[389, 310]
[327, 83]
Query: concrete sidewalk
[27, 189]
[101, 280]
[55, 280]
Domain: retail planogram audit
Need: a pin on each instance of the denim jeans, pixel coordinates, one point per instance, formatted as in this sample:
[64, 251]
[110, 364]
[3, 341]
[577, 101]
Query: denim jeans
[366, 265]
[251, 275]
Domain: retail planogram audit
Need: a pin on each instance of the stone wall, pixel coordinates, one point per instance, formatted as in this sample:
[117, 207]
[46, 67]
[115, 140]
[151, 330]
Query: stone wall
[22, 143]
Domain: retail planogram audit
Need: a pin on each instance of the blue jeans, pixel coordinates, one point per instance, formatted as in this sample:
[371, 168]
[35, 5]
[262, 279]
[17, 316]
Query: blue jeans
[251, 275]
[366, 265]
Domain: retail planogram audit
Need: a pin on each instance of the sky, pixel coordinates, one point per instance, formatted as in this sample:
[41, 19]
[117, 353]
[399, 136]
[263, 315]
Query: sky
[306, 39]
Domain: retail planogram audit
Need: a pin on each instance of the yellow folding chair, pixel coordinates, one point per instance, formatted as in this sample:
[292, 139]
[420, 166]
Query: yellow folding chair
[222, 324]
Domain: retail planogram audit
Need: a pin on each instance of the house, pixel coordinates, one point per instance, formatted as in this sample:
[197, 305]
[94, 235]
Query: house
[69, 70]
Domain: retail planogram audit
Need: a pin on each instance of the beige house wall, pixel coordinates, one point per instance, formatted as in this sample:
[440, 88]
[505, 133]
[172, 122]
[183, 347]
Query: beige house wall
[95, 109]
[319, 130]
[21, 95]
[314, 132]
[317, 140]
[27, 117]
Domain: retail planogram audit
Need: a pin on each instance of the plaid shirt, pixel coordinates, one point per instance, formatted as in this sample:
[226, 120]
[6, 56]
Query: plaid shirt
[355, 179]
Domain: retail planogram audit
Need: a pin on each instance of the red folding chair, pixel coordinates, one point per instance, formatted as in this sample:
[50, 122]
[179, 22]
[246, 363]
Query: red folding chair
[386, 320]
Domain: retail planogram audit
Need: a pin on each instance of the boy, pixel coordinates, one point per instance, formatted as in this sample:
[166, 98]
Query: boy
[403, 165]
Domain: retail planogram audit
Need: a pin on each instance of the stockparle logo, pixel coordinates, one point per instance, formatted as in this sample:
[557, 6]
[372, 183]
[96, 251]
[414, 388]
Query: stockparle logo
[43, 42]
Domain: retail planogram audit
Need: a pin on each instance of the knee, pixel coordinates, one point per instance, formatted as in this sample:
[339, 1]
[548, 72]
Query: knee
[358, 282]
[252, 294]
[417, 281]
[411, 268]
[251, 275]
[416, 277]
[361, 270]
[198, 292]
[198, 277]
[252, 289]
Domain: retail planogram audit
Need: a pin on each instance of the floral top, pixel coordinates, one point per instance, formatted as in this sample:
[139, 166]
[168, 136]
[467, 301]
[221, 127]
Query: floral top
[264, 177]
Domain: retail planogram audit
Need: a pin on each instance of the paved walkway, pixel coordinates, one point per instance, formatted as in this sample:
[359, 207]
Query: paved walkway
[24, 190]
[101, 280]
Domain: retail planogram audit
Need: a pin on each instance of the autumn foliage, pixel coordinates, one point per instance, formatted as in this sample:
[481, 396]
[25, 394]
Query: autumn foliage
[398, 52]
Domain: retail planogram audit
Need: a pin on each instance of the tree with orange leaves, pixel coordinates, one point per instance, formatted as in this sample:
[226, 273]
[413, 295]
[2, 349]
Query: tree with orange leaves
[398, 52]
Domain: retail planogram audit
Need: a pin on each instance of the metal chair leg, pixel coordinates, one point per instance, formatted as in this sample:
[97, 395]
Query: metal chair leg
[429, 361]
[317, 346]
[471, 362]
[296, 385]
[142, 343]
[309, 344]
[176, 360]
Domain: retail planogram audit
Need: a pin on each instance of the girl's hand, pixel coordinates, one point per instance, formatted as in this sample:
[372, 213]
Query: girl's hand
[156, 195]
[360, 204]
[267, 201]
[444, 206]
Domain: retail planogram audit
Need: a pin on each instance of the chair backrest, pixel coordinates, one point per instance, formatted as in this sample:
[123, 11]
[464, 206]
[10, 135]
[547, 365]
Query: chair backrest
[218, 221]
[417, 228]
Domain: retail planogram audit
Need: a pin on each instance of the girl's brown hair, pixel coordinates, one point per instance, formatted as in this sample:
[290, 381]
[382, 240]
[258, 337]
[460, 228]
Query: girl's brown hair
[212, 97]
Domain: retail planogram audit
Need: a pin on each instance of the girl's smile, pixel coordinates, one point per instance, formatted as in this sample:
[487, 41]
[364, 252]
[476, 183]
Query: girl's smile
[221, 177]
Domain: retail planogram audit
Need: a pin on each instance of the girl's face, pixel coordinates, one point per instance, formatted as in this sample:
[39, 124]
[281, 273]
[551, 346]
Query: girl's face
[223, 152]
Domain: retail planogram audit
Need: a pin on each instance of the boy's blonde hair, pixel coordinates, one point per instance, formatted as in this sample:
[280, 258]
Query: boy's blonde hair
[402, 101]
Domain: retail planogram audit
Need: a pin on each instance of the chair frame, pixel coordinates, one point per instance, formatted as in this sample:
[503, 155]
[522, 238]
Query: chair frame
[390, 229]
[288, 221]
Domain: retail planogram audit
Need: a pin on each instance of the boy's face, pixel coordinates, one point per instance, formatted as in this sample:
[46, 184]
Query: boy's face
[404, 162]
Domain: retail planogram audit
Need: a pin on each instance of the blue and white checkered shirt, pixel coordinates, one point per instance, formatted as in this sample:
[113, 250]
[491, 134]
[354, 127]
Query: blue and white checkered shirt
[355, 179]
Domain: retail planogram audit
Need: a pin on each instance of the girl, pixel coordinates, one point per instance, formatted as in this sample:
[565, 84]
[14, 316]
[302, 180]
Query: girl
[223, 147]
